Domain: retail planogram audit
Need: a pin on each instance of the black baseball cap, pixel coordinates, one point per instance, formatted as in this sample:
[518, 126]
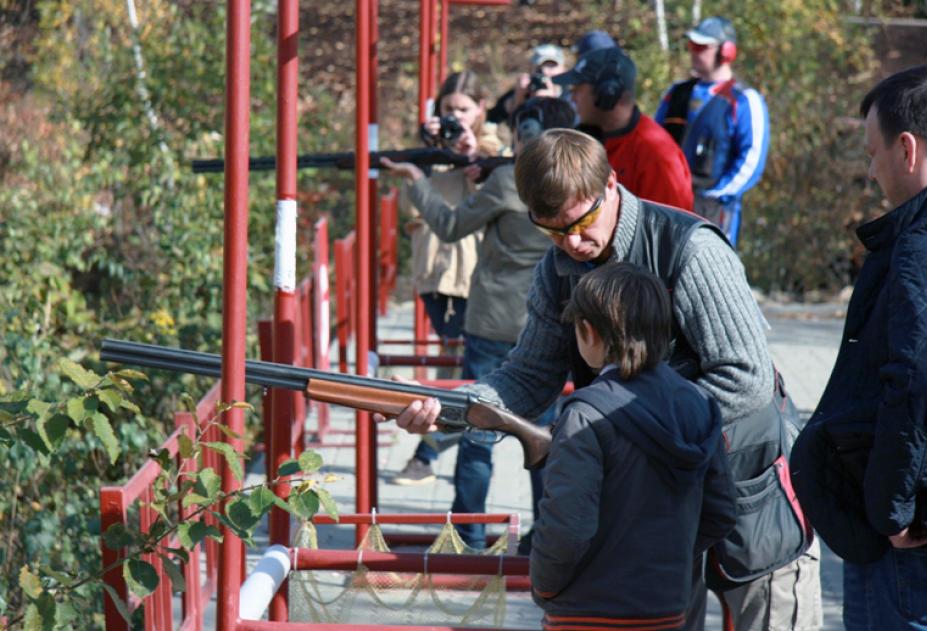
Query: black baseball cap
[599, 65]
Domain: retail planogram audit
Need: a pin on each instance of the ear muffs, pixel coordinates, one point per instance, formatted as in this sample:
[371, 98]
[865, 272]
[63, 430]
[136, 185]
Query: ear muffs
[727, 52]
[608, 92]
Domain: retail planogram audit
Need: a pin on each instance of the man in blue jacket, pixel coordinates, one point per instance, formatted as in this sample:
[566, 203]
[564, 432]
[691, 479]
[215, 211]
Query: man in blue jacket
[722, 126]
[860, 465]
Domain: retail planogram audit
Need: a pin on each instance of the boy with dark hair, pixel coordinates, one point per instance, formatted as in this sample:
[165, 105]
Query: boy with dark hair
[637, 484]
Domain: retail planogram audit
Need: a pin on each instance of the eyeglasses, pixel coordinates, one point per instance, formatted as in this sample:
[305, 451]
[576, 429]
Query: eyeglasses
[587, 219]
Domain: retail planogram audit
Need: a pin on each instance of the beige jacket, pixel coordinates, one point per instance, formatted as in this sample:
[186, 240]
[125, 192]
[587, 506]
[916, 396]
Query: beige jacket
[439, 267]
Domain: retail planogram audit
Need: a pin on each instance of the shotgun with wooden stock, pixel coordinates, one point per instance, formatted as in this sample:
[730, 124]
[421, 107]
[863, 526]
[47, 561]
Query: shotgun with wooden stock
[459, 410]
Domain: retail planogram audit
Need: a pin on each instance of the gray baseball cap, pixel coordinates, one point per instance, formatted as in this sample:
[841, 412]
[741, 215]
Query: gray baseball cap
[713, 30]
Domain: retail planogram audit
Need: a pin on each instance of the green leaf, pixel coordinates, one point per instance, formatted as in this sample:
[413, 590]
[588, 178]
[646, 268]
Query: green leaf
[53, 430]
[194, 499]
[29, 583]
[180, 552]
[289, 468]
[174, 573]
[65, 616]
[140, 577]
[304, 505]
[104, 431]
[40, 616]
[328, 503]
[39, 408]
[241, 515]
[112, 398]
[185, 446]
[32, 439]
[14, 402]
[78, 374]
[208, 483]
[261, 499]
[125, 403]
[121, 606]
[310, 461]
[128, 373]
[228, 432]
[75, 408]
[117, 536]
[162, 457]
[191, 534]
[6, 438]
[231, 457]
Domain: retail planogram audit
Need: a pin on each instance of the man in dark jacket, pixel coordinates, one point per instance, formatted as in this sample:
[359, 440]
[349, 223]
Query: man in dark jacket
[860, 465]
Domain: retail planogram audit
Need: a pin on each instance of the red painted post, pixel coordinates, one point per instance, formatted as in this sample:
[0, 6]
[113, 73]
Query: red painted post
[445, 22]
[234, 279]
[283, 402]
[364, 458]
[424, 59]
[433, 70]
[265, 330]
[113, 511]
[374, 137]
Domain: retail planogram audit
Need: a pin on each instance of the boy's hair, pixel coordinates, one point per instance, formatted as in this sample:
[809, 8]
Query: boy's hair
[901, 103]
[558, 167]
[629, 308]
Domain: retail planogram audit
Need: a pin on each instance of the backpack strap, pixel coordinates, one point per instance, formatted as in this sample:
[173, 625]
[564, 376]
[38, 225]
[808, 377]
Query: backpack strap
[677, 112]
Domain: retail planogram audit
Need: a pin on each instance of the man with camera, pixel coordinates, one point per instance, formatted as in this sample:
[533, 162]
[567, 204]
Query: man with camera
[722, 126]
[643, 155]
[546, 61]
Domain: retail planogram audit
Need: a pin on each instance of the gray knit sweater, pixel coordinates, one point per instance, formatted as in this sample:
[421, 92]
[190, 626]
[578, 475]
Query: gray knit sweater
[712, 303]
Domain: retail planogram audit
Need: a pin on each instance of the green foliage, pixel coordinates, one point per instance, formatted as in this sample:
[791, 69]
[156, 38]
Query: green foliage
[105, 232]
[52, 596]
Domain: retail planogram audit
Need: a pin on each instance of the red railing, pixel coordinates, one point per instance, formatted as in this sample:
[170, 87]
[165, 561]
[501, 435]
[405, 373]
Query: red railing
[116, 502]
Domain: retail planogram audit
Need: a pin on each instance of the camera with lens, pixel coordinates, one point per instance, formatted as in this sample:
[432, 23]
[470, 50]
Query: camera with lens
[536, 82]
[450, 131]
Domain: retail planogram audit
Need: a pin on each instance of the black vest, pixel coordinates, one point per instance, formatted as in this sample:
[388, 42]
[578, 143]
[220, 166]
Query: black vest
[659, 245]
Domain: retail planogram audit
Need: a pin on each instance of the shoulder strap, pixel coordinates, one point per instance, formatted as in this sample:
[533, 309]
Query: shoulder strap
[677, 111]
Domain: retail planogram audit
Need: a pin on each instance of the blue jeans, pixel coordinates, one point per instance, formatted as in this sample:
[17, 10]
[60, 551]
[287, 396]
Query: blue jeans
[890, 593]
[446, 313]
[474, 456]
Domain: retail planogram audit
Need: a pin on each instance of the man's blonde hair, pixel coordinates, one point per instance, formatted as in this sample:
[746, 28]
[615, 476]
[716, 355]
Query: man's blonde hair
[558, 167]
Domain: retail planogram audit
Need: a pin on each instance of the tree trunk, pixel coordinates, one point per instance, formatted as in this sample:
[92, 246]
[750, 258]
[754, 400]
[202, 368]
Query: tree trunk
[661, 24]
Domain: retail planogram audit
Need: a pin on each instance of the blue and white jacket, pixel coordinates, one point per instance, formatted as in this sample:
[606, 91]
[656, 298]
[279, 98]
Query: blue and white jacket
[737, 126]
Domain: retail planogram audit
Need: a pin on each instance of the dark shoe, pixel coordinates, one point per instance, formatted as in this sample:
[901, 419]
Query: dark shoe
[415, 472]
[524, 544]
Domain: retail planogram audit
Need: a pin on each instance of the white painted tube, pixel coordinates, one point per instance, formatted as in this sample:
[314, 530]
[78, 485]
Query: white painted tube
[263, 582]
[285, 240]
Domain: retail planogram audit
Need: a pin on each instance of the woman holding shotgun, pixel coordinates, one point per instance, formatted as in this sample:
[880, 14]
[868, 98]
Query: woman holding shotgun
[441, 271]
[510, 249]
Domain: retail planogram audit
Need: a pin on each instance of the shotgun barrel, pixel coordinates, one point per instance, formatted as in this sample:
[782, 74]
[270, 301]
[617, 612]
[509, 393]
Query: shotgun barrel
[460, 410]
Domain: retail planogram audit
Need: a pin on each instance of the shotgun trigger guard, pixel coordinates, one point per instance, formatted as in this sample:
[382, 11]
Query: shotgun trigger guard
[453, 418]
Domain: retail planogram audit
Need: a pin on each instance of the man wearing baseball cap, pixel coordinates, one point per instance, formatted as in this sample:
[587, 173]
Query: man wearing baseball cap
[722, 126]
[643, 155]
[546, 60]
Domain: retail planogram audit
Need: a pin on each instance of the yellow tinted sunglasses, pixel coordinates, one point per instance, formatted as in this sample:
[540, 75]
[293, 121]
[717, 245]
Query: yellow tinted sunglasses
[585, 220]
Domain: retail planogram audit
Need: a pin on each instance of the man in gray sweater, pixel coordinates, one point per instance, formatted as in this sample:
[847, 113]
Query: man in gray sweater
[720, 343]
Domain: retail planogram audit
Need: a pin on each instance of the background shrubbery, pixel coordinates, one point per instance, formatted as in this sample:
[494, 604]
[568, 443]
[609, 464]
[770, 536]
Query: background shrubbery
[105, 232]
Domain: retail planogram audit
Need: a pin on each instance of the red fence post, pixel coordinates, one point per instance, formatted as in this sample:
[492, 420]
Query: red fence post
[321, 309]
[113, 511]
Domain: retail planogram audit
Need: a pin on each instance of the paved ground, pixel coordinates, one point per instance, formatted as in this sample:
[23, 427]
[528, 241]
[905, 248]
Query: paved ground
[803, 341]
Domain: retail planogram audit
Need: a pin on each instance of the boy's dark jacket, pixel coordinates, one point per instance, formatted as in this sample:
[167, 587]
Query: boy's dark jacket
[860, 465]
[636, 486]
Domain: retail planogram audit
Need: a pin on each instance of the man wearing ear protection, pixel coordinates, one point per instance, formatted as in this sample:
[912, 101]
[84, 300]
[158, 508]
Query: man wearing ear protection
[643, 155]
[722, 126]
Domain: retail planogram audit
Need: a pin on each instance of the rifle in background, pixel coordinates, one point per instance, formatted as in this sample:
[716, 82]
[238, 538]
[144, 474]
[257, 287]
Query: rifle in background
[423, 158]
[459, 410]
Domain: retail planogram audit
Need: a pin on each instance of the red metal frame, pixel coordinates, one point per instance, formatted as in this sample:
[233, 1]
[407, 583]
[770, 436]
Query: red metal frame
[115, 502]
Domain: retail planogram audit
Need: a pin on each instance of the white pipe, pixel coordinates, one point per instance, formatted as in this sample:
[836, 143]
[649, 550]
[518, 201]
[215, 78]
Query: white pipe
[263, 582]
